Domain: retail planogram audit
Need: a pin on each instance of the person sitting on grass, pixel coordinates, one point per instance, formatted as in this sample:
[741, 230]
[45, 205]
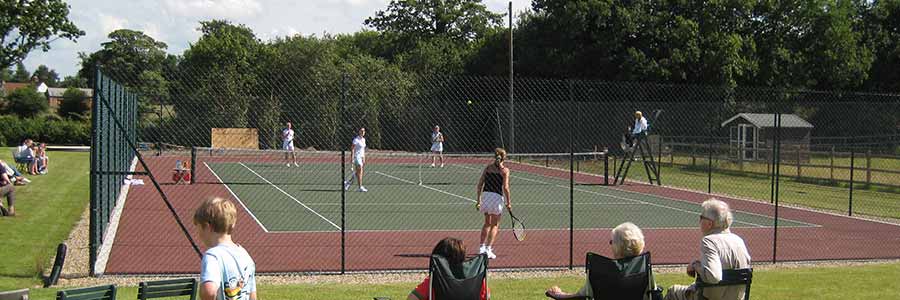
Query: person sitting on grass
[627, 241]
[9, 191]
[719, 250]
[41, 159]
[455, 252]
[14, 174]
[227, 272]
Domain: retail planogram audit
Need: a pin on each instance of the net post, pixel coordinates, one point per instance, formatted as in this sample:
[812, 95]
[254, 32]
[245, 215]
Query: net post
[193, 164]
[606, 167]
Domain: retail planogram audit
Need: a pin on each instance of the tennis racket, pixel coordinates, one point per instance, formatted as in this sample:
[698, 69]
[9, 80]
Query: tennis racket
[518, 227]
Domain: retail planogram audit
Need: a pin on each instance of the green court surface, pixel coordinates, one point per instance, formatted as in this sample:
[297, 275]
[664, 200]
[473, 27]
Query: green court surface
[308, 199]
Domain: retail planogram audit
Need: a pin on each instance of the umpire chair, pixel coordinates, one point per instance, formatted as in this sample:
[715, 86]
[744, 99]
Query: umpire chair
[642, 147]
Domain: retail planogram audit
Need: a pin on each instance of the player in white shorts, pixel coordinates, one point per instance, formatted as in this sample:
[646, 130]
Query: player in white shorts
[437, 145]
[358, 159]
[493, 193]
[287, 144]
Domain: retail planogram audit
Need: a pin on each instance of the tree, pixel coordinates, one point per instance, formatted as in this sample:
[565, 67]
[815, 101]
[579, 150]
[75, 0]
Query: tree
[21, 74]
[883, 37]
[30, 25]
[218, 74]
[74, 104]
[406, 23]
[74, 81]
[127, 55]
[47, 76]
[26, 102]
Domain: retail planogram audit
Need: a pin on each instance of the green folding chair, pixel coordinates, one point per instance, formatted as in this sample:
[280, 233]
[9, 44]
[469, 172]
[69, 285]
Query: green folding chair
[103, 292]
[168, 288]
[457, 282]
[729, 278]
[625, 279]
[14, 295]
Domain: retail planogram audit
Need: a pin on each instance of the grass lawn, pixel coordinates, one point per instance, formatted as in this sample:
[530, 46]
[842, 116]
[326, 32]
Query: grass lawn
[871, 200]
[46, 211]
[846, 282]
[50, 206]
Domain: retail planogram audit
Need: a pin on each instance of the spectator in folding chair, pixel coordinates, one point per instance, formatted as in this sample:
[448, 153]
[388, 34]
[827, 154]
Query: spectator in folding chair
[23, 155]
[720, 250]
[9, 191]
[620, 277]
[453, 277]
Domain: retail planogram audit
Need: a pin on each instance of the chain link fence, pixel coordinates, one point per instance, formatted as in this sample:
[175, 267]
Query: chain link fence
[834, 180]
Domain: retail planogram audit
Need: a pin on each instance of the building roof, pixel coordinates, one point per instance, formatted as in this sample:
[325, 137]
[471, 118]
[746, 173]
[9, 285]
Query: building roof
[58, 92]
[768, 120]
[8, 87]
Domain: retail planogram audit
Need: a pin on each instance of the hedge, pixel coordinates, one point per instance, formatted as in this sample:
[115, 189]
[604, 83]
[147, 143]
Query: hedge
[13, 130]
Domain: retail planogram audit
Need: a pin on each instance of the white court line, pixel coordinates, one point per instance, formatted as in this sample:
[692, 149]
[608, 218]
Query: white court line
[460, 203]
[292, 197]
[427, 187]
[623, 198]
[237, 198]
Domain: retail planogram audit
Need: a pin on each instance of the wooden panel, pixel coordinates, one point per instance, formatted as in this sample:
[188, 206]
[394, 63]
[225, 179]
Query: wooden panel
[242, 138]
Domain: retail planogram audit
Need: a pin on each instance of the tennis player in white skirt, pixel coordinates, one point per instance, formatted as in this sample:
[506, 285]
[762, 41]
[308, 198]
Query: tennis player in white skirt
[493, 193]
[437, 145]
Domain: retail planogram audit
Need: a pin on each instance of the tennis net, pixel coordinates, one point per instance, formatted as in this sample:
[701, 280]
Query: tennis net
[304, 167]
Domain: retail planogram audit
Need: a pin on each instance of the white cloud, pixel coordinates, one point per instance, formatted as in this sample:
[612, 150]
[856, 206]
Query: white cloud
[214, 8]
[110, 23]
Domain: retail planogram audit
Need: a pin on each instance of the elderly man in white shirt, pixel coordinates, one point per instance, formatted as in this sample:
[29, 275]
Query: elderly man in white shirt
[719, 250]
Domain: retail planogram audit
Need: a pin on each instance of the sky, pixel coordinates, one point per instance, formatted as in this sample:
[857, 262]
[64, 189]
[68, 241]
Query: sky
[175, 22]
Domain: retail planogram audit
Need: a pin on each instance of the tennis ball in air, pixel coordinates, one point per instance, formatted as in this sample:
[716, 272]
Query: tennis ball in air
[469, 102]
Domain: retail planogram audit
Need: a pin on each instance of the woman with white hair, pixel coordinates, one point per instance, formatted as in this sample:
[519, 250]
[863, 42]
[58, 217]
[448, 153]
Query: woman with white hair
[719, 250]
[627, 241]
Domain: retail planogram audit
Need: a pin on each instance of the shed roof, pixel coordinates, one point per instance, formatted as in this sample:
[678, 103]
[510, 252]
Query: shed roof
[768, 120]
[59, 92]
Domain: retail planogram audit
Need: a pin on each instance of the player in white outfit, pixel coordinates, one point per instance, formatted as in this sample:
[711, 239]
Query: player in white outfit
[358, 157]
[437, 145]
[287, 144]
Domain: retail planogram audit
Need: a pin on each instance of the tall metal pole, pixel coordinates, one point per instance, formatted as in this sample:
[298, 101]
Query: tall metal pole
[512, 115]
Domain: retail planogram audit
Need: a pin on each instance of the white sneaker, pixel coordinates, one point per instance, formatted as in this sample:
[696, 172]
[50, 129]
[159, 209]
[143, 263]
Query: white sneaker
[346, 185]
[362, 189]
[296, 165]
[289, 165]
[442, 165]
[490, 253]
[432, 165]
[482, 250]
[26, 180]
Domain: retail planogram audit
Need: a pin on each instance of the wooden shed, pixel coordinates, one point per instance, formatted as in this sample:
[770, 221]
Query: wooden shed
[751, 135]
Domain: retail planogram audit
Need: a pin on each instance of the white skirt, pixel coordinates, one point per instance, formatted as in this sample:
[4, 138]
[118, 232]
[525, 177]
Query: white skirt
[437, 147]
[492, 203]
[359, 160]
[287, 145]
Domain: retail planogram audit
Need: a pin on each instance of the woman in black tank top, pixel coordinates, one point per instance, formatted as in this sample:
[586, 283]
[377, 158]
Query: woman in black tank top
[493, 195]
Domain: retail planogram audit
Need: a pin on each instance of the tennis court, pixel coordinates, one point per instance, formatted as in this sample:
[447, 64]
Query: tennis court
[291, 217]
[280, 199]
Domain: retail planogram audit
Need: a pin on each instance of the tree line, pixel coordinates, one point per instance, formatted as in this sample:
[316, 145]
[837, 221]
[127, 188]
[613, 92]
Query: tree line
[230, 77]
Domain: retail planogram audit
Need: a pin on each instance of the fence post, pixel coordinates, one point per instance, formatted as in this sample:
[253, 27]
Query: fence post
[671, 154]
[832, 164]
[868, 167]
[850, 204]
[693, 158]
[799, 158]
[709, 170]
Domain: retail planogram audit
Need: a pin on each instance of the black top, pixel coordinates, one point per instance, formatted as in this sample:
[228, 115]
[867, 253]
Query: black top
[493, 182]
